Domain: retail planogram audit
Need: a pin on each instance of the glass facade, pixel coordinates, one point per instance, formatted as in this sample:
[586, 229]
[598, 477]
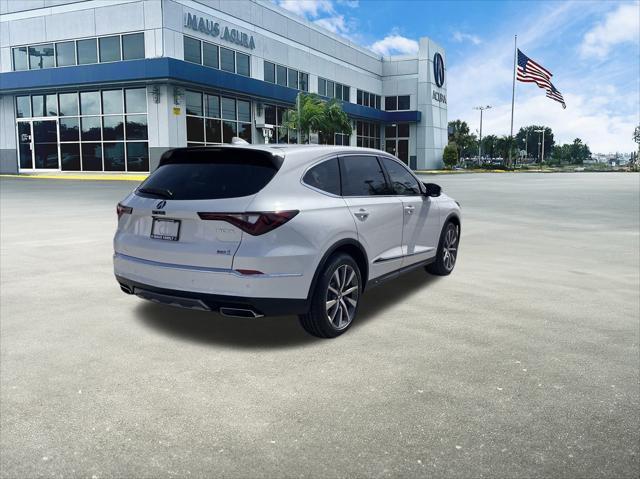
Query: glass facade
[284, 76]
[368, 134]
[396, 140]
[275, 115]
[94, 130]
[332, 89]
[79, 52]
[214, 119]
[214, 56]
[365, 98]
[395, 103]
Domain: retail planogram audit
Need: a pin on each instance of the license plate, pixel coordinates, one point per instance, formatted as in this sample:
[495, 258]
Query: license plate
[165, 229]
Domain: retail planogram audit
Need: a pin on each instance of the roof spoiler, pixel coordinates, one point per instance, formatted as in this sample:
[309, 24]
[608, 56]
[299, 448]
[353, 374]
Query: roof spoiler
[211, 154]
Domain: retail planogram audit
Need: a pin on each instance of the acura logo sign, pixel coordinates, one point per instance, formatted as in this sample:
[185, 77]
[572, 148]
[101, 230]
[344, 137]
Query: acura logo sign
[161, 204]
[438, 70]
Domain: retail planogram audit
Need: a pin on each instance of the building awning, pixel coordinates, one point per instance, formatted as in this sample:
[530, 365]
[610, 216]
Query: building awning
[173, 70]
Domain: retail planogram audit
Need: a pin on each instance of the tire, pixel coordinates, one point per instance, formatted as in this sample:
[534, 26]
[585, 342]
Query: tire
[339, 283]
[447, 254]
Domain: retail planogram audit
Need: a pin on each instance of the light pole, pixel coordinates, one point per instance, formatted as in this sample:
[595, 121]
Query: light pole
[482, 109]
[542, 150]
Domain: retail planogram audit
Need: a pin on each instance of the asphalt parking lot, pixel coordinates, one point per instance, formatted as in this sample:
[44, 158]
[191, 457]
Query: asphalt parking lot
[523, 363]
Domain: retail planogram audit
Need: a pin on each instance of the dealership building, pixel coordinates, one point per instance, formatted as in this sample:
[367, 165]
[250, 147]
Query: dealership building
[109, 86]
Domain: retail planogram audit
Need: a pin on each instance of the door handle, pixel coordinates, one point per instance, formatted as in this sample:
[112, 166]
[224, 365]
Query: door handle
[409, 209]
[362, 214]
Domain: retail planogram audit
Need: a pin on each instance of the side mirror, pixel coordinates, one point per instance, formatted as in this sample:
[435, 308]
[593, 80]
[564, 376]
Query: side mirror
[431, 189]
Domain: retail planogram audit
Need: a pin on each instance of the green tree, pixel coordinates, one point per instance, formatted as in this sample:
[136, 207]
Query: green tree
[579, 152]
[503, 145]
[489, 146]
[527, 139]
[466, 142]
[334, 120]
[312, 114]
[450, 155]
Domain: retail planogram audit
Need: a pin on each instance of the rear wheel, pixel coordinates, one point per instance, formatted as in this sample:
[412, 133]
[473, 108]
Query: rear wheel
[335, 300]
[447, 251]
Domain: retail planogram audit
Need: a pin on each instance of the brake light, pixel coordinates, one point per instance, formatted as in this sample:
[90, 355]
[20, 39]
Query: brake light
[253, 223]
[123, 210]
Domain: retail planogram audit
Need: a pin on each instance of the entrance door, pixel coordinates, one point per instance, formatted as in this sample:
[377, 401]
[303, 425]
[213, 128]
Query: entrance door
[398, 148]
[25, 146]
[45, 145]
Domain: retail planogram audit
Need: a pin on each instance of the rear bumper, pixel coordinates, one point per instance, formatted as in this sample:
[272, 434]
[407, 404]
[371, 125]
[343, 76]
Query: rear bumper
[214, 302]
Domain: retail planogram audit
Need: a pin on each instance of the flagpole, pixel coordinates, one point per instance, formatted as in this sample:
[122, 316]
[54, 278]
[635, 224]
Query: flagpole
[513, 92]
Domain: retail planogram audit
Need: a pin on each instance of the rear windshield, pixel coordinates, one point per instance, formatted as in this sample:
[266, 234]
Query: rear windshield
[207, 181]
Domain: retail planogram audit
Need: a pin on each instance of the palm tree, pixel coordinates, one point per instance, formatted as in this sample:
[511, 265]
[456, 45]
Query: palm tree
[317, 115]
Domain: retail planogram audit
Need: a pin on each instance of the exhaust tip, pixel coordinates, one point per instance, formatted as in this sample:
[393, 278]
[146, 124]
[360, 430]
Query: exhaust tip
[126, 288]
[239, 313]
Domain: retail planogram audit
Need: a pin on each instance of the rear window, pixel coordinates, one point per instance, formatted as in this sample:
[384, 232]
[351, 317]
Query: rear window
[325, 177]
[215, 179]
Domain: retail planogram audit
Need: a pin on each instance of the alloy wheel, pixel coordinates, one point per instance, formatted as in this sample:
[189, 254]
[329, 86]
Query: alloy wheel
[450, 247]
[342, 296]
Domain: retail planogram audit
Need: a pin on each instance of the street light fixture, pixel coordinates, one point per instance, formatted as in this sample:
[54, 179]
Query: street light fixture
[542, 150]
[482, 109]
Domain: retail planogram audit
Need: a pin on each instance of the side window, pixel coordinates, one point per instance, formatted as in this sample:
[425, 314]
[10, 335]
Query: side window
[402, 182]
[362, 176]
[325, 176]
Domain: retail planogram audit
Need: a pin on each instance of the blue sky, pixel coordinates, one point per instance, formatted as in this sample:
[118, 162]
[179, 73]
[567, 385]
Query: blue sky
[591, 47]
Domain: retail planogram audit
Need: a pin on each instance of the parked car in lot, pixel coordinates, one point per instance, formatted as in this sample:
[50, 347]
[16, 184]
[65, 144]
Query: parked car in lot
[274, 229]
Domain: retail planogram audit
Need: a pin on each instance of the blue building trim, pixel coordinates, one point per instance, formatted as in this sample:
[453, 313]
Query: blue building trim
[174, 70]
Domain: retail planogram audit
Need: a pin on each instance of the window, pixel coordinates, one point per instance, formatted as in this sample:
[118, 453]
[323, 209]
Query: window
[393, 103]
[112, 101]
[402, 182]
[223, 118]
[367, 134]
[281, 75]
[68, 104]
[41, 56]
[269, 72]
[322, 87]
[87, 51]
[365, 98]
[210, 55]
[214, 175]
[192, 50]
[242, 64]
[333, 90]
[65, 54]
[23, 107]
[20, 59]
[133, 46]
[397, 141]
[304, 81]
[136, 100]
[362, 176]
[274, 115]
[98, 130]
[325, 177]
[227, 60]
[109, 49]
[81, 52]
[293, 79]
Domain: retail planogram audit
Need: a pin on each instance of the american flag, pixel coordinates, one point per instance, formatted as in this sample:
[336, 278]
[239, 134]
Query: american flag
[529, 71]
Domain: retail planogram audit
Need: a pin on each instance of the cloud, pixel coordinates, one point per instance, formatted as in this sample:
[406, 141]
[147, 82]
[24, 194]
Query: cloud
[395, 44]
[307, 8]
[349, 3]
[466, 37]
[619, 26]
[335, 24]
[602, 110]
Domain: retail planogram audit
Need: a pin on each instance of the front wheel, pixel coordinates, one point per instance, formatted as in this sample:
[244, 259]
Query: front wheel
[335, 300]
[447, 251]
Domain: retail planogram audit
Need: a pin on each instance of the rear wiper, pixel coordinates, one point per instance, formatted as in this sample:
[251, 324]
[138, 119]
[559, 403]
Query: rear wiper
[162, 192]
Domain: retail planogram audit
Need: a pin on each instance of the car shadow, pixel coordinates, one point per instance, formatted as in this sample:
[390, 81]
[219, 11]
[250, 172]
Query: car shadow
[269, 332]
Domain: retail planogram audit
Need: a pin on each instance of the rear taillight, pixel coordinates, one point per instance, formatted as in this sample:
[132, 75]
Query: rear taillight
[123, 210]
[253, 223]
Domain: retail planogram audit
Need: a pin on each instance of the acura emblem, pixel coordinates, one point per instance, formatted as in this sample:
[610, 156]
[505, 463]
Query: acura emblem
[161, 204]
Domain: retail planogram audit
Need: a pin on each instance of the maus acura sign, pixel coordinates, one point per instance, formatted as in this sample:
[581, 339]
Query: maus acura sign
[213, 28]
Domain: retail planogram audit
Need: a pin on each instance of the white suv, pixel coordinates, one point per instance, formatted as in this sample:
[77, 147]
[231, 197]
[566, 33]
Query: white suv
[273, 229]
